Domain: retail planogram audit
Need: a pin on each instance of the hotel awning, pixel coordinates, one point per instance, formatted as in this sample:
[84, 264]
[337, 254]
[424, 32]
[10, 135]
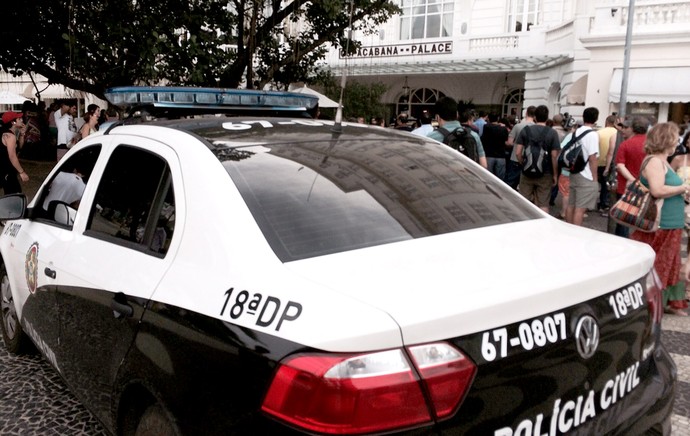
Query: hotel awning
[478, 65]
[652, 85]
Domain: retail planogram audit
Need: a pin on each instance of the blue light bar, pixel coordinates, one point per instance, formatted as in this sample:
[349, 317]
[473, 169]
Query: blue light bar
[221, 99]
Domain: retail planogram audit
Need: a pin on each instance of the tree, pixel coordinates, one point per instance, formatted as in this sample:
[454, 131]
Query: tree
[93, 45]
[359, 99]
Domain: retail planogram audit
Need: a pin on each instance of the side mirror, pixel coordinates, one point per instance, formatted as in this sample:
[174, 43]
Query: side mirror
[13, 207]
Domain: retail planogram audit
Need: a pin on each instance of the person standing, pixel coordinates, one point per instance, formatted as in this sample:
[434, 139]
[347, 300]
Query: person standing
[90, 125]
[66, 129]
[629, 159]
[513, 168]
[494, 143]
[12, 134]
[607, 142]
[425, 126]
[584, 186]
[447, 118]
[537, 188]
[664, 183]
[480, 122]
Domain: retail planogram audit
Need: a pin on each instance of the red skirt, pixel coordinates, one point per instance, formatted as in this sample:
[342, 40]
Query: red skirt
[666, 245]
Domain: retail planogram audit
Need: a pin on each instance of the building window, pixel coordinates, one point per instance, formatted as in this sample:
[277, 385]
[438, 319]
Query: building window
[426, 19]
[522, 15]
[419, 100]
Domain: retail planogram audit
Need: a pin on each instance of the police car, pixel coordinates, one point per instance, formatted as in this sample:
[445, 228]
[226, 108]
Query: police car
[273, 273]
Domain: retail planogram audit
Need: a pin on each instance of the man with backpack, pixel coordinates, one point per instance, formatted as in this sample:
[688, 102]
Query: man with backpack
[451, 133]
[584, 185]
[536, 149]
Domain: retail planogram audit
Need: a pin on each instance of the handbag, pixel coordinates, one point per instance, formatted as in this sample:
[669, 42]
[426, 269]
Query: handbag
[637, 208]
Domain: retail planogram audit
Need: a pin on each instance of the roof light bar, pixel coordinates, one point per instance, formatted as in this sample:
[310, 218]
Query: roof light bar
[221, 99]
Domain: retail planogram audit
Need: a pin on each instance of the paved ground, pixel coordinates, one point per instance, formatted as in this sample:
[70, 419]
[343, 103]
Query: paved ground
[34, 400]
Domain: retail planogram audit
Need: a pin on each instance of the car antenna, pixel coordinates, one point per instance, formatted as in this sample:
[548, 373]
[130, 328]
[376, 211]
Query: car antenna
[338, 126]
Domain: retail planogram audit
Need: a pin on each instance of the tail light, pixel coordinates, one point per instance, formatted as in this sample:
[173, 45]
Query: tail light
[655, 301]
[376, 392]
[655, 306]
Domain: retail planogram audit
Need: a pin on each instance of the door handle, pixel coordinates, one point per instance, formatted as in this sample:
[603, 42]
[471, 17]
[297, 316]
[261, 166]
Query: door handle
[120, 308]
[50, 273]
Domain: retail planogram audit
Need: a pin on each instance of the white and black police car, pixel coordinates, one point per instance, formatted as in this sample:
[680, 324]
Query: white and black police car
[271, 273]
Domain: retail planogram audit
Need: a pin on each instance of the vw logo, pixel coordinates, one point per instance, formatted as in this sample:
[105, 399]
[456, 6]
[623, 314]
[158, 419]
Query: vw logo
[587, 336]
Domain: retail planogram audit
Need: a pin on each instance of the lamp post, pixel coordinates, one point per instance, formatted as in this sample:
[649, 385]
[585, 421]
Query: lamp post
[622, 106]
[406, 93]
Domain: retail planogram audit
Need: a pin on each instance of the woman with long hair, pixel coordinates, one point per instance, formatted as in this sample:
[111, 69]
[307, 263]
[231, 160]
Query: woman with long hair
[12, 129]
[664, 183]
[93, 112]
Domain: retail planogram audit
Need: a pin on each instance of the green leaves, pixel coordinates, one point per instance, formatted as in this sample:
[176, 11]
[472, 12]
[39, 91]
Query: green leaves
[92, 46]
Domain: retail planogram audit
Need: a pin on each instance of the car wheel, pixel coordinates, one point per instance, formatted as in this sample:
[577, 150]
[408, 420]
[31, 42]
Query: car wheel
[156, 422]
[12, 334]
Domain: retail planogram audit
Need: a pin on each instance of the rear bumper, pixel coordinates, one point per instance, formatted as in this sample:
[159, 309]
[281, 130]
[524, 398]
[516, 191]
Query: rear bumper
[657, 400]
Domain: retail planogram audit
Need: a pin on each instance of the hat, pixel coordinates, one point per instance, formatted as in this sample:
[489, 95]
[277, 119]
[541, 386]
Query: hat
[10, 116]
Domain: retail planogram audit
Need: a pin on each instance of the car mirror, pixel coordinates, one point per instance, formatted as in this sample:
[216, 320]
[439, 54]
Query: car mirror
[12, 207]
[63, 213]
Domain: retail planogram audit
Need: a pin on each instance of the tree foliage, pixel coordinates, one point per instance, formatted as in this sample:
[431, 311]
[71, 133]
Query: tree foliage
[93, 45]
[359, 99]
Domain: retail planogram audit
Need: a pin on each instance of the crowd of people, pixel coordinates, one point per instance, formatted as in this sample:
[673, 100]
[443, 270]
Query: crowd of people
[43, 133]
[629, 148]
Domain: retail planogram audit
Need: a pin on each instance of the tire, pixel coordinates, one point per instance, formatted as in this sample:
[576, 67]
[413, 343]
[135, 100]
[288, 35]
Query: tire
[13, 336]
[156, 422]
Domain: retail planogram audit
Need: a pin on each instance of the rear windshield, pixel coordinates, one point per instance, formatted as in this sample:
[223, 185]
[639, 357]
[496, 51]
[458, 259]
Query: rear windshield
[317, 198]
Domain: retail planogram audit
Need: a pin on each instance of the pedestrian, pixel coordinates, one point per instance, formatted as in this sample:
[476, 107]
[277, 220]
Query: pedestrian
[629, 158]
[607, 141]
[425, 126]
[93, 112]
[12, 129]
[564, 176]
[584, 186]
[447, 118]
[67, 130]
[494, 142]
[664, 183]
[513, 168]
[536, 149]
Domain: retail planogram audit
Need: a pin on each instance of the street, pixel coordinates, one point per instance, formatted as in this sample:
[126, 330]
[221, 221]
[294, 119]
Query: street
[35, 401]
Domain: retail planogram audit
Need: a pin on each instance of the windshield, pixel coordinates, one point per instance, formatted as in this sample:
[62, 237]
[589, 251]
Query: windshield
[317, 198]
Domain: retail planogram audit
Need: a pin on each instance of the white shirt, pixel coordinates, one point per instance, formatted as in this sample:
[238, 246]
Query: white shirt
[423, 130]
[590, 146]
[62, 122]
[65, 187]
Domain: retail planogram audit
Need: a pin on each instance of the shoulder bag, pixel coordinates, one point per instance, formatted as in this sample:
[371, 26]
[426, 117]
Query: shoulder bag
[637, 208]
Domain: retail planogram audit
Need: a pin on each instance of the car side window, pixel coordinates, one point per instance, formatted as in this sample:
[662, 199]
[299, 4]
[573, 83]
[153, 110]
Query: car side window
[60, 199]
[134, 204]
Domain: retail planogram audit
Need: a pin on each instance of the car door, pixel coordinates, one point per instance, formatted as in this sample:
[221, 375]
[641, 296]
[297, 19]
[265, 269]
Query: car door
[116, 261]
[37, 253]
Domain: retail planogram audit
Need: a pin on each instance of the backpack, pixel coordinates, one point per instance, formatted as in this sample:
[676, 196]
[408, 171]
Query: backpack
[534, 154]
[461, 140]
[572, 157]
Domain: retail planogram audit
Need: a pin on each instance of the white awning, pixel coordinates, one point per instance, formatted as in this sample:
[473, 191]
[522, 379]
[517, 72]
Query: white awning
[52, 91]
[652, 85]
[324, 102]
[7, 97]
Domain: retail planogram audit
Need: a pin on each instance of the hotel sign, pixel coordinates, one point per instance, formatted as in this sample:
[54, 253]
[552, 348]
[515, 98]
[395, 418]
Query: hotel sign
[394, 50]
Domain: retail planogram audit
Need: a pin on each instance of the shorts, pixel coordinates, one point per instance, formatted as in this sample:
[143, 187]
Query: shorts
[537, 190]
[564, 185]
[583, 192]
